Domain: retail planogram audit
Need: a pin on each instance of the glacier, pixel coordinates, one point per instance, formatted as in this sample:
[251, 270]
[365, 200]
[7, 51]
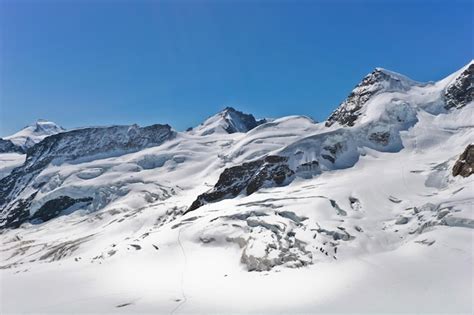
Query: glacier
[365, 212]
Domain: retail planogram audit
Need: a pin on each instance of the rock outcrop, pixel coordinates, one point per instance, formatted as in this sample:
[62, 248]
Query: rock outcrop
[7, 146]
[464, 166]
[380, 80]
[459, 93]
[248, 177]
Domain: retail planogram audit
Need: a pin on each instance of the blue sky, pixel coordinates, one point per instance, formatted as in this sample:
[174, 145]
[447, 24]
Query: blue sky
[89, 62]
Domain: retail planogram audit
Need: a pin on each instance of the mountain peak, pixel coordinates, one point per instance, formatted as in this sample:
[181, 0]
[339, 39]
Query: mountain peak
[388, 80]
[229, 120]
[394, 75]
[378, 81]
[229, 109]
[34, 133]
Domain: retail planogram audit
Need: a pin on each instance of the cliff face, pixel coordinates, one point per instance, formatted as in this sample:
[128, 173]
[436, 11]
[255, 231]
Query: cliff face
[460, 92]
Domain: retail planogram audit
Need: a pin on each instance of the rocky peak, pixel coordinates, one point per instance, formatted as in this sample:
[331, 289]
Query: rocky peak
[459, 93]
[378, 81]
[34, 133]
[80, 143]
[229, 121]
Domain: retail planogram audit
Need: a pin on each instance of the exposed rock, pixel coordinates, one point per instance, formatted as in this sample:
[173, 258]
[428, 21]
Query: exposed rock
[229, 120]
[355, 203]
[378, 81]
[465, 164]
[336, 235]
[459, 93]
[248, 177]
[380, 137]
[240, 122]
[85, 142]
[331, 152]
[17, 214]
[53, 208]
[76, 144]
[7, 146]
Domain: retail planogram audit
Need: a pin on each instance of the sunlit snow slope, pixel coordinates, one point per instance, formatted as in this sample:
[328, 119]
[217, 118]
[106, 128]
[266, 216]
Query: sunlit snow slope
[360, 213]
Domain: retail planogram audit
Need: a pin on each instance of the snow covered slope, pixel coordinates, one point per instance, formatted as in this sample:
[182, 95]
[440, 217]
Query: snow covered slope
[370, 211]
[34, 133]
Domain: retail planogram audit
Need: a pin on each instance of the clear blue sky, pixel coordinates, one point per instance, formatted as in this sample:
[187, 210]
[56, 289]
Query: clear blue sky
[89, 62]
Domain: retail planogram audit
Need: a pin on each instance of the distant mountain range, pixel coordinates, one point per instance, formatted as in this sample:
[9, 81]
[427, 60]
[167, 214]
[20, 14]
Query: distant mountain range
[388, 173]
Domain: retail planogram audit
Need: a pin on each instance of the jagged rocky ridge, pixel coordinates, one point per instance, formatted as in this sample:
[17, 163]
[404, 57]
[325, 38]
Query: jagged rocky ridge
[7, 146]
[239, 122]
[230, 121]
[367, 196]
[380, 80]
[28, 195]
[306, 157]
[84, 144]
[460, 92]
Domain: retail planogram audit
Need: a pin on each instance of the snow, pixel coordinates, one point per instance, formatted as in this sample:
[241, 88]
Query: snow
[9, 161]
[34, 133]
[385, 228]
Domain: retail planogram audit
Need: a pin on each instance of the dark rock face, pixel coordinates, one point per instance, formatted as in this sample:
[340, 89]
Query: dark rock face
[308, 167]
[349, 110]
[98, 140]
[6, 146]
[239, 122]
[330, 152]
[76, 144]
[249, 177]
[459, 93]
[53, 208]
[465, 164]
[17, 214]
[380, 137]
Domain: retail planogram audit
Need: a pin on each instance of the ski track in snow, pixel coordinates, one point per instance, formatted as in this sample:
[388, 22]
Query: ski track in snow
[183, 270]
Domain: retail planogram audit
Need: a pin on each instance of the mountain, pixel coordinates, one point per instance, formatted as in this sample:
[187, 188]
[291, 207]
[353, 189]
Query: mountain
[377, 197]
[377, 82]
[381, 86]
[228, 121]
[459, 92]
[7, 146]
[34, 133]
[75, 146]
